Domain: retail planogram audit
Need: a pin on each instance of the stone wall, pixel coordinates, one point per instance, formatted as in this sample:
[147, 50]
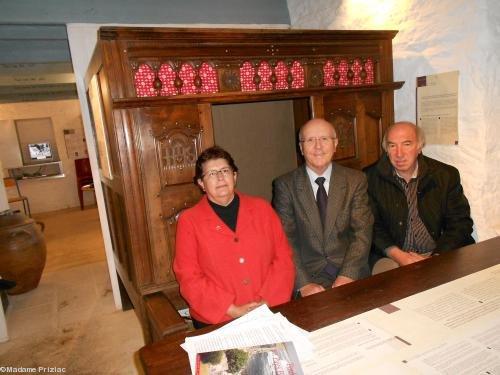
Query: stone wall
[437, 37]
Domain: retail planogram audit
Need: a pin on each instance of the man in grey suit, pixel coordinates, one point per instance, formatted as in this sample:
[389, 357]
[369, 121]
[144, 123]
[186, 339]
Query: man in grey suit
[325, 212]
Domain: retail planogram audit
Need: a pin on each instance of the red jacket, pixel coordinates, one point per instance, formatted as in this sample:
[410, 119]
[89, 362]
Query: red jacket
[216, 267]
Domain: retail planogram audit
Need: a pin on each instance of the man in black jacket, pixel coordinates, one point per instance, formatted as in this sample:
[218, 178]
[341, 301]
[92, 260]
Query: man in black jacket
[418, 202]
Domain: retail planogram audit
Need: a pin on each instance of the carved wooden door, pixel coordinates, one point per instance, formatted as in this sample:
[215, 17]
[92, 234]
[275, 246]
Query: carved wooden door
[171, 138]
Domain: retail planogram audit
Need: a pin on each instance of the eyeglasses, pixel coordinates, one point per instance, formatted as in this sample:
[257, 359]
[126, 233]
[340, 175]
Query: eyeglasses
[312, 140]
[214, 173]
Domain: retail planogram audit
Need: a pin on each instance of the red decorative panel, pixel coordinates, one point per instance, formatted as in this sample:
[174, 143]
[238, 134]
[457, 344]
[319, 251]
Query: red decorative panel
[369, 68]
[343, 67]
[143, 81]
[205, 78]
[209, 79]
[328, 72]
[298, 75]
[247, 73]
[356, 68]
[343, 74]
[264, 73]
[167, 78]
[281, 72]
[187, 75]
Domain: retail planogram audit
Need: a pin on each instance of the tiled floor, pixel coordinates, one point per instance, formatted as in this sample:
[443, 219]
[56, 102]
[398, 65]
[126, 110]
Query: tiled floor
[69, 320]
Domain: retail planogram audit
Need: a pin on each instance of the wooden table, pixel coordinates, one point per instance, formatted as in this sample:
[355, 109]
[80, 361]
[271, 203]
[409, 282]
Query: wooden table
[340, 303]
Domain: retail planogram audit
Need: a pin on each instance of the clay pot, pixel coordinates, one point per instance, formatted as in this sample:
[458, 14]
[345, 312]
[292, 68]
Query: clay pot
[22, 252]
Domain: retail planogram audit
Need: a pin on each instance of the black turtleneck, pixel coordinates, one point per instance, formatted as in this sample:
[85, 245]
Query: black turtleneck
[228, 214]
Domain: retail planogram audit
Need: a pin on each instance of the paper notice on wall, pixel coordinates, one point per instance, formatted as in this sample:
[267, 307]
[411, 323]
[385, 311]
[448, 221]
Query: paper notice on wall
[437, 107]
[75, 144]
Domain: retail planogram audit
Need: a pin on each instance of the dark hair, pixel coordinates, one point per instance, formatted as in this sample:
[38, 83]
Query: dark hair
[212, 153]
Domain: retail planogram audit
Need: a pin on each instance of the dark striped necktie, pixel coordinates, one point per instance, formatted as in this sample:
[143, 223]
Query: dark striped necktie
[321, 199]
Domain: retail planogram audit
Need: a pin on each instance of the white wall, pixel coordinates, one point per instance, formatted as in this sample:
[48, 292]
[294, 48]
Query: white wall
[65, 114]
[436, 37]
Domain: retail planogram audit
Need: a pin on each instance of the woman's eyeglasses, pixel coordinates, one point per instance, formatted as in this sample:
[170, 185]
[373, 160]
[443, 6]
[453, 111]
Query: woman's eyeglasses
[214, 173]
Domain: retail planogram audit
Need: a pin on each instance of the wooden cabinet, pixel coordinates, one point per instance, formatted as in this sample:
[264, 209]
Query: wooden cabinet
[156, 88]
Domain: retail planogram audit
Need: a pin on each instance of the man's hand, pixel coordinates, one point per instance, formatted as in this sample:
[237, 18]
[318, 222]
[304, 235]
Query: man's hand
[311, 288]
[341, 280]
[236, 311]
[403, 257]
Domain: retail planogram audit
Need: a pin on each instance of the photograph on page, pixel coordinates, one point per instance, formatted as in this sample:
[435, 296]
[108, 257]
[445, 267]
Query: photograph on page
[279, 358]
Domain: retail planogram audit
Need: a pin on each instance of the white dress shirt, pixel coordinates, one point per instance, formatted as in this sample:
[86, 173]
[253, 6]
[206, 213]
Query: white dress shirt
[327, 174]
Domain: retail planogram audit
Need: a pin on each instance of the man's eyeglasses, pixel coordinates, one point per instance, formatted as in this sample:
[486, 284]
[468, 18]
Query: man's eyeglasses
[312, 140]
[214, 173]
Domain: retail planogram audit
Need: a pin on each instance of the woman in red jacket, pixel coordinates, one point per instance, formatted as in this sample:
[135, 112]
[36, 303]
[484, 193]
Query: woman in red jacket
[232, 254]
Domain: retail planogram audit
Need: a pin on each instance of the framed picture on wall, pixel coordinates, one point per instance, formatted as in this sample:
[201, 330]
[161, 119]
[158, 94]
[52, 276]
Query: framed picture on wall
[101, 136]
[37, 141]
[40, 151]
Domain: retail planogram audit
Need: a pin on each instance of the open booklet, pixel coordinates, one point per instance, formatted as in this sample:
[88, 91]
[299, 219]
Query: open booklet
[259, 331]
[270, 359]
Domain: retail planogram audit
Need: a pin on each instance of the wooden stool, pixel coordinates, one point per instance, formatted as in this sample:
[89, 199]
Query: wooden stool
[11, 182]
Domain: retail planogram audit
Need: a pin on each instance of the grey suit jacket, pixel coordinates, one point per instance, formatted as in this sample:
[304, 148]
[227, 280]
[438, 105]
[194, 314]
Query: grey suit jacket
[346, 238]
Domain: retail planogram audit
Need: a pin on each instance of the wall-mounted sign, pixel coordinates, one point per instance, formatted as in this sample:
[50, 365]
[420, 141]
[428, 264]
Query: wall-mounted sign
[76, 146]
[437, 107]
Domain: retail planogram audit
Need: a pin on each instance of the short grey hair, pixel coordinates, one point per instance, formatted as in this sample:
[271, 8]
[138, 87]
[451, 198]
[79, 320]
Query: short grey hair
[418, 131]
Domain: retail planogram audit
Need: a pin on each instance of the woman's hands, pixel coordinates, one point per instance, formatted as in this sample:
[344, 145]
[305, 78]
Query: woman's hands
[236, 311]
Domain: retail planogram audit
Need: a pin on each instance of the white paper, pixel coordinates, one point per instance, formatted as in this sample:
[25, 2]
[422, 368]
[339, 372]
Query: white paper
[437, 107]
[427, 333]
[477, 354]
[451, 329]
[258, 327]
[343, 346]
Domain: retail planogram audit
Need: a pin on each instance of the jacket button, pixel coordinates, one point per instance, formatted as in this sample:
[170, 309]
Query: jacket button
[241, 260]
[246, 281]
[236, 239]
[400, 223]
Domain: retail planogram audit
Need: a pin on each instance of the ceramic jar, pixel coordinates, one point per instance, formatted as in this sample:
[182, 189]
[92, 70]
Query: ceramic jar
[22, 251]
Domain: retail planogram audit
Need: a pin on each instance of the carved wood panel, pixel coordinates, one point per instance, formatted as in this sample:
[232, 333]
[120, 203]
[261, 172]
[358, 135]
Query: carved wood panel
[177, 148]
[174, 200]
[373, 125]
[345, 126]
[118, 225]
[341, 112]
[356, 118]
[170, 140]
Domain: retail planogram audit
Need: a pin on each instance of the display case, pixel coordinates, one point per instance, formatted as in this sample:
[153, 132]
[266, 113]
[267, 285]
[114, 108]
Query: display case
[43, 170]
